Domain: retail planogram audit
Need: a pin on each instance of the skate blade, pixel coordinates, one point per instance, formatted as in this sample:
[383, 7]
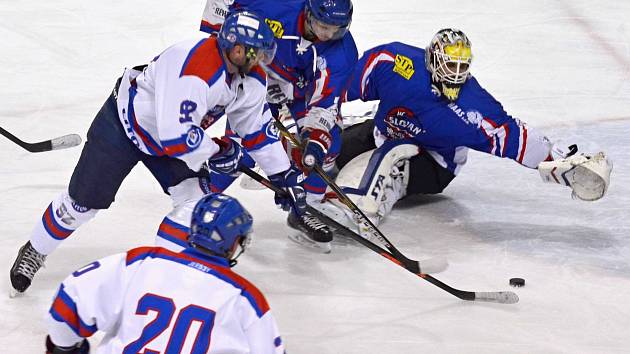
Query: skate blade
[321, 247]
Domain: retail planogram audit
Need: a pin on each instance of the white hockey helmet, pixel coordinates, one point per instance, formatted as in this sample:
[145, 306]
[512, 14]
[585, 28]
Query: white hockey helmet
[448, 58]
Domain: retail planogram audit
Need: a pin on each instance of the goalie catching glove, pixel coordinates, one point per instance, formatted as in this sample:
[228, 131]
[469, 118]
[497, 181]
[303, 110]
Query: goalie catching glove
[587, 175]
[226, 160]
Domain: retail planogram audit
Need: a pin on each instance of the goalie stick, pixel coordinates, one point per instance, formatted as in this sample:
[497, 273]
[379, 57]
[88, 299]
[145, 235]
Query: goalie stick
[62, 142]
[501, 297]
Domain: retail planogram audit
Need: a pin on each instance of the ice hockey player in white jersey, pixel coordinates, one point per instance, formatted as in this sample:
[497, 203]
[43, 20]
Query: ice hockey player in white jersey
[203, 306]
[157, 115]
[431, 111]
[316, 53]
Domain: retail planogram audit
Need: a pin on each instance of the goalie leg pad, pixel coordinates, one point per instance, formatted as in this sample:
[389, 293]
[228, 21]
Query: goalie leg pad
[376, 179]
[587, 175]
[61, 218]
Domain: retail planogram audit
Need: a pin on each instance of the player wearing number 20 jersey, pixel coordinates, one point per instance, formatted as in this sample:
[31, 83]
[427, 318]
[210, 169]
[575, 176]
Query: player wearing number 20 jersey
[152, 300]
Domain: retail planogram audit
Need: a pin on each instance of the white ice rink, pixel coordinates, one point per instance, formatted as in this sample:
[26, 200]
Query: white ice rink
[562, 66]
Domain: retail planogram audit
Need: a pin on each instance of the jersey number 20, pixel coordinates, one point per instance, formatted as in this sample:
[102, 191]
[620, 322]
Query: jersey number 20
[165, 308]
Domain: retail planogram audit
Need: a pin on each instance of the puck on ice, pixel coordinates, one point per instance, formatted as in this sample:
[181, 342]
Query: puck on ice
[517, 282]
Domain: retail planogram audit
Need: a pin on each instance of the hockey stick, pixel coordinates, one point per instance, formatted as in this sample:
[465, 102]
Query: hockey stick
[62, 142]
[502, 297]
[409, 264]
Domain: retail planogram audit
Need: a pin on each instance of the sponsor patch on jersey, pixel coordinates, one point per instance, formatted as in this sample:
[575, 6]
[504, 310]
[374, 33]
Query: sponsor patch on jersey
[194, 137]
[276, 27]
[403, 66]
[469, 117]
[400, 123]
[474, 117]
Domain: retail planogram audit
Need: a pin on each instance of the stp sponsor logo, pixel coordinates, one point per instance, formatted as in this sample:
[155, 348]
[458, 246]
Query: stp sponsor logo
[194, 137]
[276, 27]
[403, 66]
[401, 124]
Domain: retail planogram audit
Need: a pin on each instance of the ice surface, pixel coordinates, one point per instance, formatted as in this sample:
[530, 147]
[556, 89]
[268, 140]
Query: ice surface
[562, 66]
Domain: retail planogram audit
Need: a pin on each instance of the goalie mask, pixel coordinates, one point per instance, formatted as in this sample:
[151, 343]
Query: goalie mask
[448, 59]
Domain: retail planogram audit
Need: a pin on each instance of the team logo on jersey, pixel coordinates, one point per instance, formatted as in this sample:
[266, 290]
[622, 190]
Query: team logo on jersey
[403, 66]
[272, 131]
[276, 27]
[401, 124]
[194, 137]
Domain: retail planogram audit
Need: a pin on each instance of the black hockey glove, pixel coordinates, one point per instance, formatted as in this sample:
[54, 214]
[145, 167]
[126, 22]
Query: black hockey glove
[82, 347]
[291, 181]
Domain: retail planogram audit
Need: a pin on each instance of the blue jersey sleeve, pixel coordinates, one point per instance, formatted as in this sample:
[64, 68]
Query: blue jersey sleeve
[373, 68]
[334, 66]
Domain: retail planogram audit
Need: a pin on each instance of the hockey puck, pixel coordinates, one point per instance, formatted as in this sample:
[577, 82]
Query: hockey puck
[517, 282]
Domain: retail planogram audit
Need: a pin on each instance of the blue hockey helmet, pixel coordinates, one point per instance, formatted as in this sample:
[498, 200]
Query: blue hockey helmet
[249, 30]
[218, 224]
[332, 13]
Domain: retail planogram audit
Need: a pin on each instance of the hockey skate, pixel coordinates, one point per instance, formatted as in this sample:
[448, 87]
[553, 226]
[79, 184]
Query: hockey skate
[311, 232]
[27, 263]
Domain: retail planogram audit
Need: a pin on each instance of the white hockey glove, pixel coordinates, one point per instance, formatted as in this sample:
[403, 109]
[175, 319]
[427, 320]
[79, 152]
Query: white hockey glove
[587, 175]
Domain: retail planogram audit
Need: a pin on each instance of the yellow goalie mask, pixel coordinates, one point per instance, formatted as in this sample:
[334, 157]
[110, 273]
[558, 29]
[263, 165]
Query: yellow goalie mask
[448, 59]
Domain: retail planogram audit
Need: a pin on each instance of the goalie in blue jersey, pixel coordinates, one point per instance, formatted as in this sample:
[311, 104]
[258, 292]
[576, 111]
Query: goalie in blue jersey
[431, 111]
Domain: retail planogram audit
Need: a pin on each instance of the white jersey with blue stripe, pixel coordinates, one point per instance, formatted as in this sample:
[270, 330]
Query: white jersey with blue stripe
[164, 107]
[154, 300]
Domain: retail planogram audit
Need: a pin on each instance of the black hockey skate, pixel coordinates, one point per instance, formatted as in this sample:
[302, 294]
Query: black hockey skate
[312, 232]
[24, 268]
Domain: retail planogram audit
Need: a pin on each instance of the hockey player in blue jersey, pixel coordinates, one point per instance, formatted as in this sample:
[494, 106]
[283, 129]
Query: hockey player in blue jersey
[156, 115]
[126, 295]
[316, 53]
[431, 111]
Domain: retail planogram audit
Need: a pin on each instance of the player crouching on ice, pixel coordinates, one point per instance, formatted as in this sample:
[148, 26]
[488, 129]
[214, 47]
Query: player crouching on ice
[431, 111]
[157, 115]
[126, 295]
